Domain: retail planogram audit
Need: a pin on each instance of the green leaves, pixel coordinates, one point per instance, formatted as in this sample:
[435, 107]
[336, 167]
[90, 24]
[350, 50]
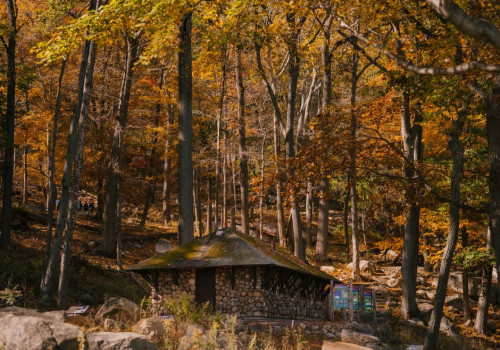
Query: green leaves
[474, 257]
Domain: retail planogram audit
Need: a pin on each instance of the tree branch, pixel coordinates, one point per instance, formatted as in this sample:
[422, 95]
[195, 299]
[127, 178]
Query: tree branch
[458, 69]
[475, 27]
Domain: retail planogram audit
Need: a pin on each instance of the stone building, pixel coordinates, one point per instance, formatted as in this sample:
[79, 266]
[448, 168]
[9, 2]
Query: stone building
[240, 275]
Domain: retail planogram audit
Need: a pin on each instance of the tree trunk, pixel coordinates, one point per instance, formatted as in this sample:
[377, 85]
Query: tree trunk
[347, 199]
[62, 294]
[51, 166]
[444, 270]
[465, 280]
[280, 215]
[493, 139]
[48, 279]
[185, 132]
[150, 171]
[219, 126]
[209, 207]
[412, 143]
[309, 199]
[9, 125]
[166, 171]
[25, 172]
[242, 145]
[484, 292]
[224, 188]
[197, 201]
[293, 74]
[261, 192]
[352, 171]
[233, 197]
[322, 236]
[110, 208]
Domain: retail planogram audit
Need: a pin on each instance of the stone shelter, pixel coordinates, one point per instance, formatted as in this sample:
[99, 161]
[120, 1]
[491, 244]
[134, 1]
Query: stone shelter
[241, 275]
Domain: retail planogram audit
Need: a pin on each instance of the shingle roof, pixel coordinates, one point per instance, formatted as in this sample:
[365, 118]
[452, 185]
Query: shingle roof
[228, 248]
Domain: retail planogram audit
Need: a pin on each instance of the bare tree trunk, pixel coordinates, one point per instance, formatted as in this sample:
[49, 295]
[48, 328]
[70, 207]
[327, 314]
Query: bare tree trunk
[493, 139]
[197, 201]
[484, 292]
[412, 143]
[185, 133]
[119, 250]
[261, 194]
[233, 197]
[465, 280]
[109, 219]
[224, 188]
[279, 201]
[49, 275]
[322, 236]
[242, 145]
[51, 166]
[293, 74]
[9, 125]
[347, 199]
[352, 172]
[150, 171]
[25, 172]
[309, 199]
[166, 171]
[219, 126]
[62, 294]
[444, 270]
[209, 206]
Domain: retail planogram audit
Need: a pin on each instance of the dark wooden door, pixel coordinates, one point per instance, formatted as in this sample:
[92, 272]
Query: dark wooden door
[205, 286]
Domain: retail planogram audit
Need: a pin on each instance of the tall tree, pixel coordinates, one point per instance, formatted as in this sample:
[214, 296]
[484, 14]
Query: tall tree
[185, 132]
[245, 224]
[9, 123]
[110, 223]
[457, 152]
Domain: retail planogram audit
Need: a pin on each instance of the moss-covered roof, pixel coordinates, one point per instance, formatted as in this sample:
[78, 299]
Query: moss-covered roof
[227, 248]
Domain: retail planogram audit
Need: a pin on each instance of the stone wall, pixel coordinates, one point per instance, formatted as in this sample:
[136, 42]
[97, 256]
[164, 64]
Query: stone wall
[168, 287]
[245, 298]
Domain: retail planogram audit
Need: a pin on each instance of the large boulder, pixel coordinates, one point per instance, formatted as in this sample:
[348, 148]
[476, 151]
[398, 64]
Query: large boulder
[446, 327]
[153, 328]
[455, 283]
[27, 329]
[328, 269]
[365, 267]
[119, 341]
[163, 246]
[119, 309]
[366, 340]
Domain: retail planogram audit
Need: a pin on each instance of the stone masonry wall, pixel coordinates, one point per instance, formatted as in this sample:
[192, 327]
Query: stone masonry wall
[186, 282]
[246, 299]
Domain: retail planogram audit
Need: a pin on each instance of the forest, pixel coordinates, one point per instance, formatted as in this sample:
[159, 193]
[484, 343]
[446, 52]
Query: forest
[337, 129]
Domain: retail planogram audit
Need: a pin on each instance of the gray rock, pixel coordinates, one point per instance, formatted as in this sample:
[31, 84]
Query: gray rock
[366, 340]
[328, 345]
[163, 246]
[119, 341]
[365, 267]
[59, 315]
[29, 330]
[153, 327]
[425, 307]
[446, 327]
[455, 283]
[119, 309]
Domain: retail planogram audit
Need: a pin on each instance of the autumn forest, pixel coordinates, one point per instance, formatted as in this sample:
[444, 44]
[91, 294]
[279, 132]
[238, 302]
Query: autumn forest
[335, 129]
